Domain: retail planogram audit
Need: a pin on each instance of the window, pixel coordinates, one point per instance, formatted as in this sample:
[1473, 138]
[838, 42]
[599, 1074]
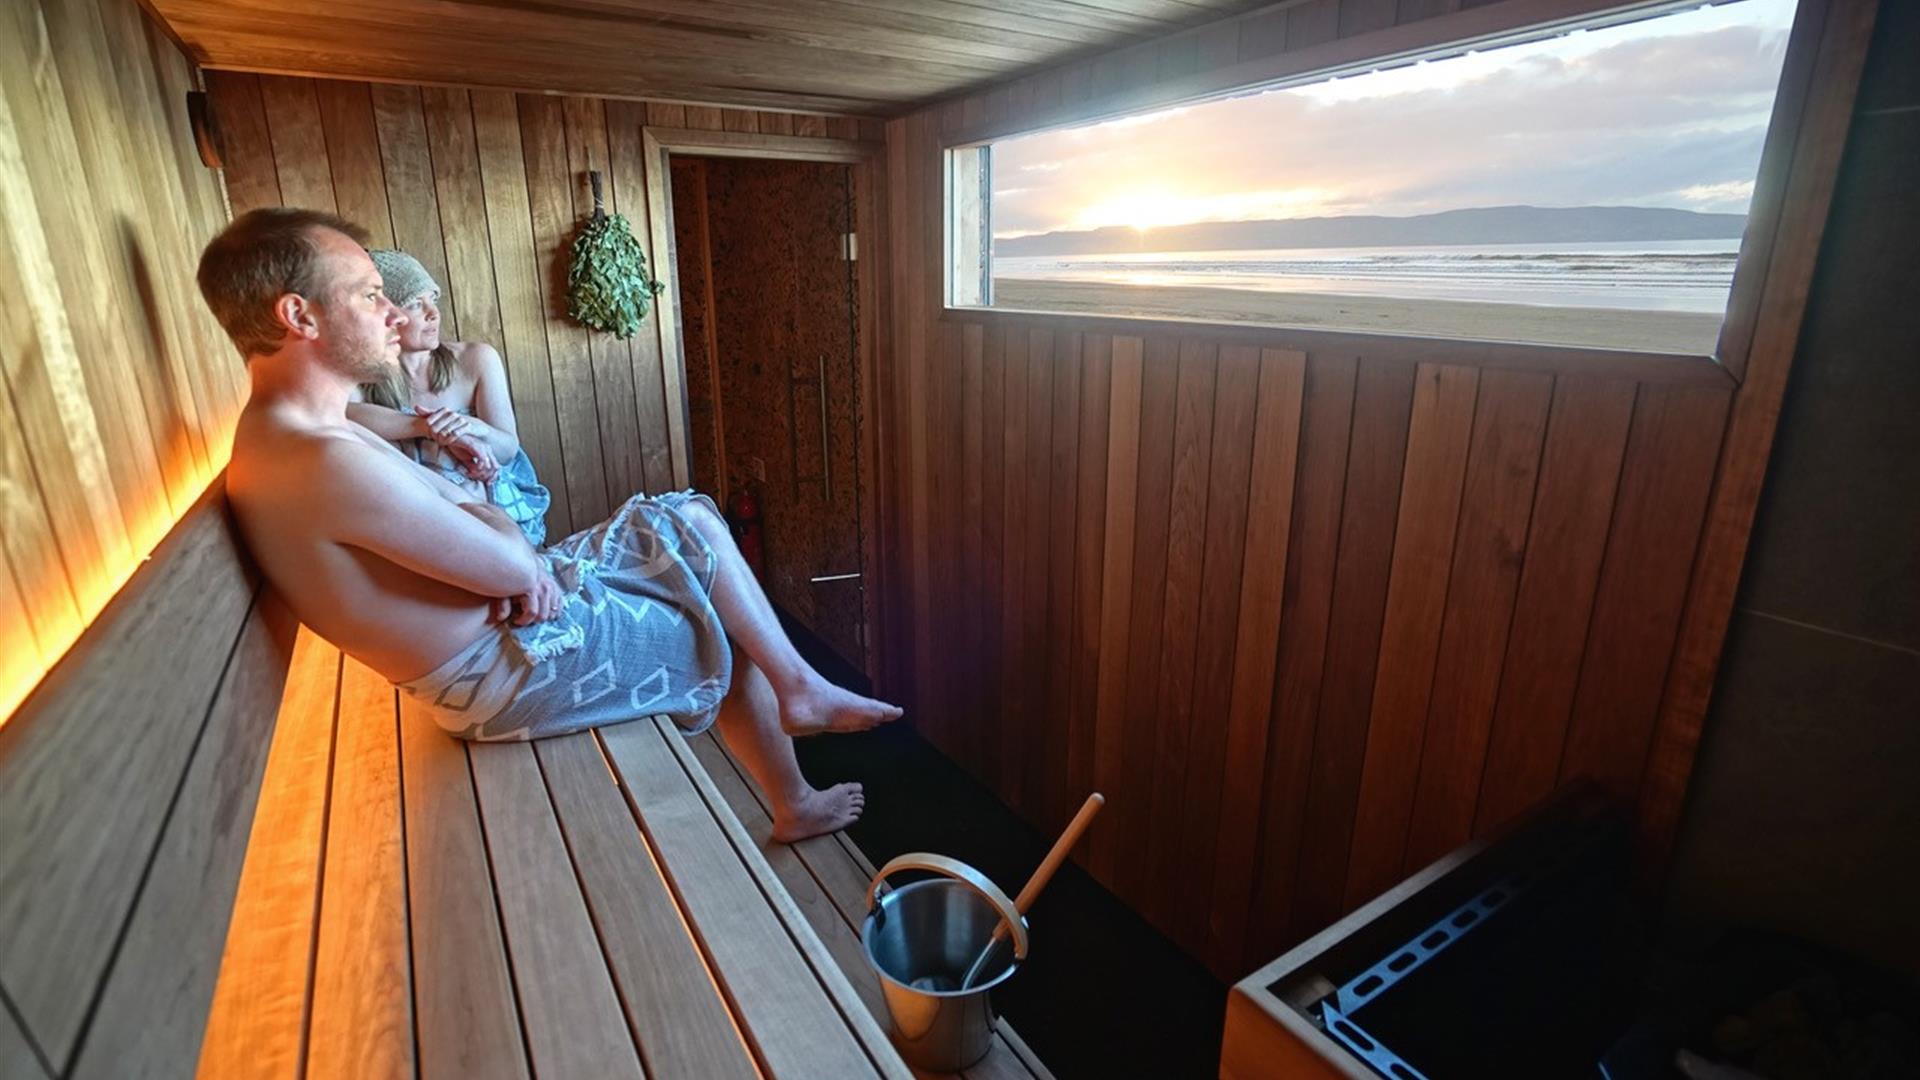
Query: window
[1587, 189]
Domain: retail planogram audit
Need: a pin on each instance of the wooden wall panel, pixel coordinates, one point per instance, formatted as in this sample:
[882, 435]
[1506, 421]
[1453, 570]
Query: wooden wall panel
[1343, 611]
[549, 180]
[1431, 483]
[119, 387]
[1508, 426]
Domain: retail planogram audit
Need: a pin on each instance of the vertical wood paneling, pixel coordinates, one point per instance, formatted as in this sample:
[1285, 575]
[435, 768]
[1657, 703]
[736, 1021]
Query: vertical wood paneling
[1096, 399]
[993, 552]
[1036, 532]
[543, 136]
[943, 417]
[460, 195]
[907, 174]
[1133, 818]
[1180, 626]
[1013, 564]
[1579, 469]
[1664, 482]
[624, 469]
[1050, 764]
[1382, 401]
[1496, 503]
[627, 173]
[406, 173]
[1326, 422]
[517, 283]
[299, 142]
[246, 147]
[971, 657]
[1232, 829]
[353, 157]
[1116, 590]
[664, 114]
[1437, 440]
[1185, 874]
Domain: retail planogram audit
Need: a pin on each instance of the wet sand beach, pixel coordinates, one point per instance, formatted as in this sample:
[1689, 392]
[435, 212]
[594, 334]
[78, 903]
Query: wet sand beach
[1650, 331]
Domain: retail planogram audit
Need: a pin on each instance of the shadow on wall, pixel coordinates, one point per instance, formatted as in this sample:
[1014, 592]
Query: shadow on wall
[172, 435]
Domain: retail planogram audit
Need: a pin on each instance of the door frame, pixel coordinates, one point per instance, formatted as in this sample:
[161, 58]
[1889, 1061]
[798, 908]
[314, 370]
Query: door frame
[868, 159]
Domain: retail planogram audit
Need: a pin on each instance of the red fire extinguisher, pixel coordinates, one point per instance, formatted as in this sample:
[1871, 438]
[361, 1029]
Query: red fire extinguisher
[743, 514]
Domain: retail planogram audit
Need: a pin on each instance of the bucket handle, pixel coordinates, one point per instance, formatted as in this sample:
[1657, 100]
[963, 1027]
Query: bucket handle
[965, 875]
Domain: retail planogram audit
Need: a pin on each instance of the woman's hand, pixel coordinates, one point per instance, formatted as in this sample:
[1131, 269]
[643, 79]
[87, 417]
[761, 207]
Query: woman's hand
[474, 458]
[444, 426]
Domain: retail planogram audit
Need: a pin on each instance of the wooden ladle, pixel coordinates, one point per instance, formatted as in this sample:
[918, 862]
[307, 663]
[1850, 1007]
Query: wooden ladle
[1039, 880]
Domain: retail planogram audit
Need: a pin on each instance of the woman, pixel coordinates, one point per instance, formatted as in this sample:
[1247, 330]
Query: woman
[448, 404]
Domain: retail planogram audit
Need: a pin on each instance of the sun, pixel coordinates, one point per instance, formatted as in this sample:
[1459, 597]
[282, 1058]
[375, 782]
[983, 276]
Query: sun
[1139, 210]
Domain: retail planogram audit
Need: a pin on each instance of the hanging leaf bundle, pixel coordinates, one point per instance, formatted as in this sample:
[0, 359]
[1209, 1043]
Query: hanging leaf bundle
[608, 287]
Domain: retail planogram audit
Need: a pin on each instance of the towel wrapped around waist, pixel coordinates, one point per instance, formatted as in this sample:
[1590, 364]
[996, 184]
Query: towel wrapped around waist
[637, 636]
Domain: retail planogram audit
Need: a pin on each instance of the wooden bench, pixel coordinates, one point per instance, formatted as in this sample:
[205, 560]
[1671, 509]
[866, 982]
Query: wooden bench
[127, 782]
[227, 848]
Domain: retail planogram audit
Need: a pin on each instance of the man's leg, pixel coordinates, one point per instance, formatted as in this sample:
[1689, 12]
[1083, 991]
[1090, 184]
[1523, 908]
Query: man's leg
[750, 723]
[807, 702]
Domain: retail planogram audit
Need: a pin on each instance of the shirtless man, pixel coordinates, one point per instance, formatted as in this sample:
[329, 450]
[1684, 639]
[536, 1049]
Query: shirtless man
[430, 588]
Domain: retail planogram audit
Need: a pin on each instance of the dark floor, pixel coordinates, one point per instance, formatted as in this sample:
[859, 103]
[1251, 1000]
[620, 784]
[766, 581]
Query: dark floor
[1102, 993]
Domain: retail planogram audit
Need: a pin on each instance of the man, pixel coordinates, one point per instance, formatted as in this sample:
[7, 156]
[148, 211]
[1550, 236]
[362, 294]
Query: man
[652, 612]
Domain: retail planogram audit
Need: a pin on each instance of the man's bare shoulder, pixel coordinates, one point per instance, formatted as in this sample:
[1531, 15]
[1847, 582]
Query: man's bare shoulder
[277, 464]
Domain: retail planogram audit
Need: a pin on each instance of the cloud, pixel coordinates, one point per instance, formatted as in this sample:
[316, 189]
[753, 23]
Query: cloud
[1632, 115]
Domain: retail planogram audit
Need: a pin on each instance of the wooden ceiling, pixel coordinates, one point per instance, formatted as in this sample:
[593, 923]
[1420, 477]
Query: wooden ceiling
[863, 57]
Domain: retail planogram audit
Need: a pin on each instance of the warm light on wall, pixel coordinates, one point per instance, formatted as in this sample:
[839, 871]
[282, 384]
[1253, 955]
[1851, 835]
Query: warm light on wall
[35, 650]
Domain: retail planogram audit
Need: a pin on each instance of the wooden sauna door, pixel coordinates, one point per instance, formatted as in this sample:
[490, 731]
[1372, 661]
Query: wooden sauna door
[767, 309]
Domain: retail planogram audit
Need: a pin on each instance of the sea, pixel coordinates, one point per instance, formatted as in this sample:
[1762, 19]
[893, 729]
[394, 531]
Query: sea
[1663, 275]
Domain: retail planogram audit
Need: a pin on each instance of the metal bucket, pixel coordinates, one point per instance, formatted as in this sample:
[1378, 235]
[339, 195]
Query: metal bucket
[921, 939]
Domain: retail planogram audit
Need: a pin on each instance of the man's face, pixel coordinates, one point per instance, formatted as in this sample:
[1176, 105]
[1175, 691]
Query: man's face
[359, 326]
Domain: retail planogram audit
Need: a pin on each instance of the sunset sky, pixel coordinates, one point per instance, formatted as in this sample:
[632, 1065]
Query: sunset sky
[1662, 112]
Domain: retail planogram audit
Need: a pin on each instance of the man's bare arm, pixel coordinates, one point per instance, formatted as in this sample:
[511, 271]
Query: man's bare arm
[415, 520]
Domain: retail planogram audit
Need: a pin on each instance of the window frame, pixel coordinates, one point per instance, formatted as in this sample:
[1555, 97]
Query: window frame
[1787, 161]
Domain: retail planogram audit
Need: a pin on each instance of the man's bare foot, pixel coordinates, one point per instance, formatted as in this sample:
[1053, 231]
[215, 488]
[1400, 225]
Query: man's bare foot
[819, 813]
[826, 707]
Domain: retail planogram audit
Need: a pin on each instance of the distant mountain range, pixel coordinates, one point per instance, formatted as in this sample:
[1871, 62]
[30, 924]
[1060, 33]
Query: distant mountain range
[1481, 225]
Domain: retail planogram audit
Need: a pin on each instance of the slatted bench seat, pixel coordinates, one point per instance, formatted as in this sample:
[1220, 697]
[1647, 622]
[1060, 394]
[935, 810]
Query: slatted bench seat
[586, 906]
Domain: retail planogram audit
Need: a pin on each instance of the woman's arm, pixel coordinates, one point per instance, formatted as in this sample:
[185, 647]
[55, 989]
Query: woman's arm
[389, 424]
[492, 406]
